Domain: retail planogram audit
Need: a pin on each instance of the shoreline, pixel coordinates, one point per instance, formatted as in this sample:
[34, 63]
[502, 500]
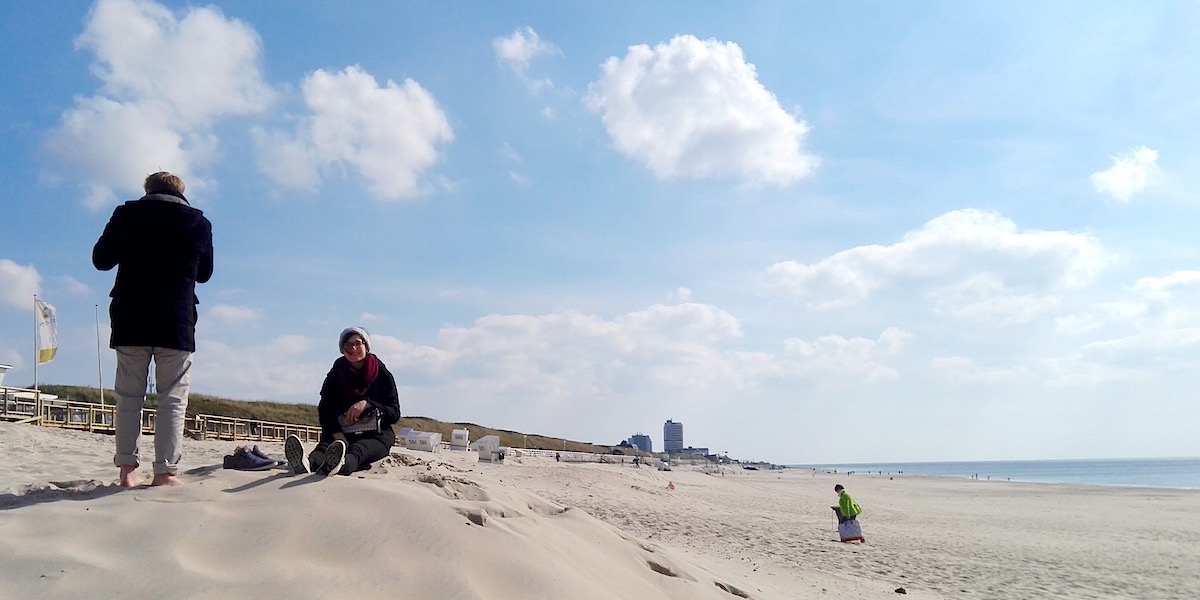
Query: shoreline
[1156, 473]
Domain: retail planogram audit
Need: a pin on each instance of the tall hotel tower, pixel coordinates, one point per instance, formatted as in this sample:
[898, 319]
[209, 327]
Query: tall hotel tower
[672, 436]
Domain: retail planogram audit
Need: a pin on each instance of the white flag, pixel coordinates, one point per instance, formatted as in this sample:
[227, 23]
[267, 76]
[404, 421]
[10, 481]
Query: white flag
[47, 328]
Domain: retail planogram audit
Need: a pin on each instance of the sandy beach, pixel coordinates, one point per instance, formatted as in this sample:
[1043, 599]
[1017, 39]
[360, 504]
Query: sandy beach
[443, 526]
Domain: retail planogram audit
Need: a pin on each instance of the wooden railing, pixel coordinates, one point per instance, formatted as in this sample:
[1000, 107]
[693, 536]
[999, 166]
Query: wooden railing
[30, 406]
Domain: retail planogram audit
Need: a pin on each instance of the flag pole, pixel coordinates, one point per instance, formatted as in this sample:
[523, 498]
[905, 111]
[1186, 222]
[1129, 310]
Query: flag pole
[35, 345]
[37, 395]
[99, 366]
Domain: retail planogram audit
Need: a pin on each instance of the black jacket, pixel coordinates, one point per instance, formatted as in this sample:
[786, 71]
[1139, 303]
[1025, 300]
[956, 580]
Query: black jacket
[381, 394]
[162, 248]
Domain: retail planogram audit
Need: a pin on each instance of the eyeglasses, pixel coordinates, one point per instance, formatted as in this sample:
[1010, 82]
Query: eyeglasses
[353, 345]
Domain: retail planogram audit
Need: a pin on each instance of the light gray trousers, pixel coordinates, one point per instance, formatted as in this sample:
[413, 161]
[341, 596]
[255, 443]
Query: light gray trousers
[172, 369]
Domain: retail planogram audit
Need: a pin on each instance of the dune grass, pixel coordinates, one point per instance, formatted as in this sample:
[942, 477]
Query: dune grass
[306, 414]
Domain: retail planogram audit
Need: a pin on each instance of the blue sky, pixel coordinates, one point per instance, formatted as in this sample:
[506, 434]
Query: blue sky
[811, 232]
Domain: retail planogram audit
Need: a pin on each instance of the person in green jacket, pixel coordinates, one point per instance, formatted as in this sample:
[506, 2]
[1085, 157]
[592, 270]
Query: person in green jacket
[847, 508]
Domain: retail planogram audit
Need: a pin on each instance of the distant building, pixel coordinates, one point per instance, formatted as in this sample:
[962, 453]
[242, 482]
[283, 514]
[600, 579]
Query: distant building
[691, 450]
[672, 436]
[641, 442]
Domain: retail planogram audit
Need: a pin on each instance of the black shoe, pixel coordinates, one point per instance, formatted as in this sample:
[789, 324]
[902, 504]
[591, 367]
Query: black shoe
[335, 457]
[293, 449]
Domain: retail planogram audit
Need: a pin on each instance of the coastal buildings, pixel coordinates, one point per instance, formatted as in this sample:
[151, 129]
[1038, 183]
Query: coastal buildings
[641, 442]
[672, 436]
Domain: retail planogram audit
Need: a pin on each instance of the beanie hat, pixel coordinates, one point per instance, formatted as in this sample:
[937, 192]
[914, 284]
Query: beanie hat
[349, 331]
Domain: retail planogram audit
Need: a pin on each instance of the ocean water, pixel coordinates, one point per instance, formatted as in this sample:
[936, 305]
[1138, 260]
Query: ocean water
[1175, 473]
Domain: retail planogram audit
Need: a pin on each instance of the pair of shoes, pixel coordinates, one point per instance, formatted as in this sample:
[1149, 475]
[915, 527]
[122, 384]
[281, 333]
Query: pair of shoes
[259, 453]
[245, 460]
[293, 449]
[335, 457]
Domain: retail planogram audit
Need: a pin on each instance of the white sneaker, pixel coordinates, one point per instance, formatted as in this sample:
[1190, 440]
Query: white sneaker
[335, 457]
[293, 449]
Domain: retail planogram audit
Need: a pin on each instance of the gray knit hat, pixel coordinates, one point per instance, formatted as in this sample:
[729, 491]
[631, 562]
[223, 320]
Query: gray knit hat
[349, 331]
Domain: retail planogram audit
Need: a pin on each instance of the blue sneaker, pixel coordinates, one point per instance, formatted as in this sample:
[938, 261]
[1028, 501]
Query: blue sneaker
[243, 460]
[263, 455]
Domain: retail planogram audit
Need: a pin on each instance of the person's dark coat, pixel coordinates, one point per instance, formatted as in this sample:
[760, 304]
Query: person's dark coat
[336, 399]
[162, 247]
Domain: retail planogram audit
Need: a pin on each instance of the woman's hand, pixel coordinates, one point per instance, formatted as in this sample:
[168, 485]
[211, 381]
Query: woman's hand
[355, 411]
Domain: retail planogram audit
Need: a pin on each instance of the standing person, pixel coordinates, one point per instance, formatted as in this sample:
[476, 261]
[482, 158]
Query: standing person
[162, 247]
[849, 530]
[359, 404]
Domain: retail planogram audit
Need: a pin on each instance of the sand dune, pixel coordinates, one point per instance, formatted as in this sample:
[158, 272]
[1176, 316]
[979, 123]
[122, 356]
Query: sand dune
[443, 526]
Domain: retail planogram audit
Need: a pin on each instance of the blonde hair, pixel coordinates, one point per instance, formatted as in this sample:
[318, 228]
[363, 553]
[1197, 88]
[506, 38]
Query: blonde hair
[163, 181]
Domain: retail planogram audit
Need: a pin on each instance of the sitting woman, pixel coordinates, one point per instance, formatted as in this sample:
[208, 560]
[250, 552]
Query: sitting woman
[359, 404]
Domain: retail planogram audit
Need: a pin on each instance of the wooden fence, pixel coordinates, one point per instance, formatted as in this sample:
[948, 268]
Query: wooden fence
[30, 406]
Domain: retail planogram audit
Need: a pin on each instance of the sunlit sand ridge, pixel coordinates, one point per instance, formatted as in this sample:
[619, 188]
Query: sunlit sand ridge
[443, 526]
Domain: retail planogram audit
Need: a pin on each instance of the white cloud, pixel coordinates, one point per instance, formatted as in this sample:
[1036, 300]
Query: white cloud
[1153, 304]
[165, 81]
[552, 359]
[275, 370]
[390, 134]
[1076, 324]
[985, 297]
[568, 372]
[518, 49]
[1130, 173]
[508, 152]
[76, 287]
[970, 263]
[1153, 330]
[1146, 355]
[681, 294]
[289, 345]
[834, 357]
[965, 369]
[1167, 303]
[13, 359]
[1164, 288]
[570, 365]
[233, 315]
[695, 108]
[18, 284]
[288, 160]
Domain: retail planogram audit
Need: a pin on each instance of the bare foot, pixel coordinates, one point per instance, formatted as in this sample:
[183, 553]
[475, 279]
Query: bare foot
[130, 477]
[166, 479]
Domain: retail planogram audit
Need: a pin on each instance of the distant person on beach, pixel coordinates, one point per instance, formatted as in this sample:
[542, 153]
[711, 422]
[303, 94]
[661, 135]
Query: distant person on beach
[161, 247]
[847, 512]
[359, 404]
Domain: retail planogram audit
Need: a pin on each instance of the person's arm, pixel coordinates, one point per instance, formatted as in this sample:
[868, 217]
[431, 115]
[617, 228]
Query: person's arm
[106, 254]
[204, 269]
[326, 411]
[387, 397]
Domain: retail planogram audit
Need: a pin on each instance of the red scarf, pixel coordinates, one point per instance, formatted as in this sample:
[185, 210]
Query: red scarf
[355, 382]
